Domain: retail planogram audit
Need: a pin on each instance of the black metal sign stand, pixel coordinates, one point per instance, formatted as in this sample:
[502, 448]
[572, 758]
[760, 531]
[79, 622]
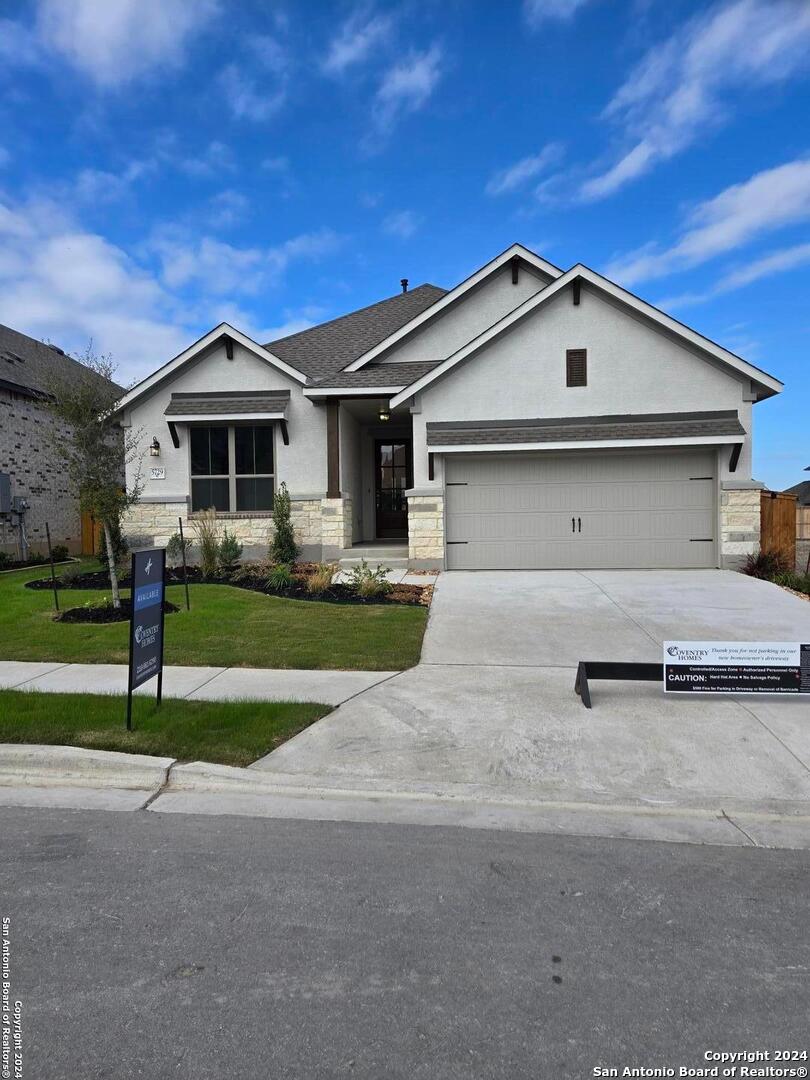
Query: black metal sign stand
[148, 573]
[600, 669]
[53, 572]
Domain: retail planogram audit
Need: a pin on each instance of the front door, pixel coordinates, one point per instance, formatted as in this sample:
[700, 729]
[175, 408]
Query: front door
[392, 467]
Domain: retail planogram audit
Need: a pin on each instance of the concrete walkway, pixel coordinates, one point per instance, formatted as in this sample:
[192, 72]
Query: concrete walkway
[194, 683]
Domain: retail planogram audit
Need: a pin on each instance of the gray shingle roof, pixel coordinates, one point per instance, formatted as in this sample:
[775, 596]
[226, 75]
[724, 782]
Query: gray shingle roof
[28, 365]
[379, 375]
[584, 428]
[801, 491]
[228, 402]
[325, 349]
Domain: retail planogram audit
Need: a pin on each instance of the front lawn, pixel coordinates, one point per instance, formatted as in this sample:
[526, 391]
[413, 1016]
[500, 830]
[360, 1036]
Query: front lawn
[226, 627]
[227, 733]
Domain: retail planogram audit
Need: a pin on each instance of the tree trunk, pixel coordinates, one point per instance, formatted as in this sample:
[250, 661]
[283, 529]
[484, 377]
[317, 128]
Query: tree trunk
[116, 595]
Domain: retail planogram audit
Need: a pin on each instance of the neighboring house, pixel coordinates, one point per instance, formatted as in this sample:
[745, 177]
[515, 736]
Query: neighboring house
[27, 432]
[801, 491]
[529, 417]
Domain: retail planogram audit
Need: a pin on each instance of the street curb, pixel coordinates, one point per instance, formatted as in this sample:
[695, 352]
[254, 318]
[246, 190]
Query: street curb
[71, 766]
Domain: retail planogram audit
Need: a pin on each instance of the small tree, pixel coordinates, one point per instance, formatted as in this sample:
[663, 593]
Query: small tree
[283, 548]
[94, 447]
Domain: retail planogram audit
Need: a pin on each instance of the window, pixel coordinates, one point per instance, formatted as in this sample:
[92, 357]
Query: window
[232, 468]
[576, 367]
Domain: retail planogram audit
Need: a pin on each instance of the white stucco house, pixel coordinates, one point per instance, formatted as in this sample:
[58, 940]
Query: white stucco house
[527, 418]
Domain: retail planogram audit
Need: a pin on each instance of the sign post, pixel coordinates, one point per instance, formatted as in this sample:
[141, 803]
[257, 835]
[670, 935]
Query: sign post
[53, 572]
[146, 623]
[736, 667]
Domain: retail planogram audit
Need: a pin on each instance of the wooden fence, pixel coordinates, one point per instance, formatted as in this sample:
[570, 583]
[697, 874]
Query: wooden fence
[778, 524]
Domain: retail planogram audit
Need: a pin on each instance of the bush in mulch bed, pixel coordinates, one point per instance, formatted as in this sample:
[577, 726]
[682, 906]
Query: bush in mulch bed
[104, 613]
[252, 576]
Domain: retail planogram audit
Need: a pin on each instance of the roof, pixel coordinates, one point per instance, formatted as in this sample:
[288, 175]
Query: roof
[801, 491]
[584, 428]
[29, 366]
[324, 349]
[385, 376]
[232, 402]
[766, 384]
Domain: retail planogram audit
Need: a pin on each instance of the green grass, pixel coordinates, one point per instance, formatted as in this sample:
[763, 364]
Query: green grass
[226, 627]
[228, 733]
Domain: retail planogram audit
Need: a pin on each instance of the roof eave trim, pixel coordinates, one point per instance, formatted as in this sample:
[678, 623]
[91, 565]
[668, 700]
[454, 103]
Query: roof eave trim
[350, 391]
[586, 444]
[222, 330]
[761, 378]
[450, 298]
[227, 416]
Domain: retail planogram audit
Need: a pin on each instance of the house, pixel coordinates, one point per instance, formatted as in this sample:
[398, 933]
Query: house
[801, 491]
[528, 417]
[27, 435]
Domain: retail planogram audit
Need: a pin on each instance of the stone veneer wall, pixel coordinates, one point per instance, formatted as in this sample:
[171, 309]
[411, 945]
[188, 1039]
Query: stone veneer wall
[739, 526]
[28, 456]
[336, 526]
[426, 531]
[154, 523]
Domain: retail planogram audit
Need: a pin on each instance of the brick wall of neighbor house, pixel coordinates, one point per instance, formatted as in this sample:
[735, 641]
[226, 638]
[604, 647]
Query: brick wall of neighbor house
[153, 523]
[426, 531]
[739, 526]
[27, 454]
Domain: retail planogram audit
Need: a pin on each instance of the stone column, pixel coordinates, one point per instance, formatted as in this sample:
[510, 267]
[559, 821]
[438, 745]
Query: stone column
[739, 526]
[336, 527]
[426, 531]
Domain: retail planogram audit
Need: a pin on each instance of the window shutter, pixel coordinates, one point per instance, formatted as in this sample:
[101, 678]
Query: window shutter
[576, 367]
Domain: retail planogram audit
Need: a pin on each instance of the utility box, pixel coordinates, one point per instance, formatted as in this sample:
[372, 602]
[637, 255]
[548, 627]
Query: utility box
[5, 493]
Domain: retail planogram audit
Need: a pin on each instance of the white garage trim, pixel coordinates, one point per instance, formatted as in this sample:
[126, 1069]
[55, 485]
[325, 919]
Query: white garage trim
[603, 444]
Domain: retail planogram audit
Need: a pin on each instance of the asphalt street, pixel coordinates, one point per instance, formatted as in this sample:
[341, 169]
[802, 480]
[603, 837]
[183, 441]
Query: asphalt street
[146, 945]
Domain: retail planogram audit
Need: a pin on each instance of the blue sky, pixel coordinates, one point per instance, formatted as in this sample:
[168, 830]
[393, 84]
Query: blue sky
[166, 165]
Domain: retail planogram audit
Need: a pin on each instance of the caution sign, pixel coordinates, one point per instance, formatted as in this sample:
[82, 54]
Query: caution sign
[736, 667]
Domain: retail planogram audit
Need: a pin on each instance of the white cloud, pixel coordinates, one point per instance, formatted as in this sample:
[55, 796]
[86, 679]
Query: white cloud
[407, 87]
[279, 164]
[117, 41]
[403, 224]
[255, 86]
[215, 159]
[227, 208]
[361, 34]
[515, 176]
[539, 11]
[68, 285]
[101, 186]
[776, 263]
[769, 200]
[678, 89]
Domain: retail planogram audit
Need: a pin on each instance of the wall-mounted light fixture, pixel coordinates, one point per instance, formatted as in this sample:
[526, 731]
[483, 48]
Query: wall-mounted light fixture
[154, 448]
[384, 413]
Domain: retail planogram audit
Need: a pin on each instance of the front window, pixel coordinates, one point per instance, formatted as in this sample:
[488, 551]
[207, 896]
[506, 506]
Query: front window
[232, 468]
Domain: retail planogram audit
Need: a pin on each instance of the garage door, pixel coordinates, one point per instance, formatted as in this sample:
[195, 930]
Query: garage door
[592, 509]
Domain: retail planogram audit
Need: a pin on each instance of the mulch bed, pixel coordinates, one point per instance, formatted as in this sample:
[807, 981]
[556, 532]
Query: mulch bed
[412, 595]
[104, 614]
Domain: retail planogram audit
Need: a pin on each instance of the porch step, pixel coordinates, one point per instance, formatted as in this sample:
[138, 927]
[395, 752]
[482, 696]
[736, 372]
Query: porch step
[376, 551]
[398, 562]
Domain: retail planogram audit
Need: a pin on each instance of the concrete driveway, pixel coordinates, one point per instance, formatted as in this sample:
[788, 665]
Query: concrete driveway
[490, 711]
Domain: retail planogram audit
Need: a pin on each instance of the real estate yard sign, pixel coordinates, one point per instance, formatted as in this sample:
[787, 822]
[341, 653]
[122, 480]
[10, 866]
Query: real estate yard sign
[736, 667]
[146, 623]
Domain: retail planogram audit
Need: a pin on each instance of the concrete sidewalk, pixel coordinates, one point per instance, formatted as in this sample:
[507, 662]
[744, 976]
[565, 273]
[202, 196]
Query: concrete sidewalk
[194, 683]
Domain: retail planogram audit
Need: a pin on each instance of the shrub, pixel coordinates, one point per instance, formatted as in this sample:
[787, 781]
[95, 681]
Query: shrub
[72, 573]
[766, 564]
[368, 583]
[283, 548]
[253, 572]
[229, 552]
[5, 559]
[208, 539]
[60, 552]
[102, 603]
[321, 578]
[791, 580]
[280, 578]
[119, 545]
[174, 549]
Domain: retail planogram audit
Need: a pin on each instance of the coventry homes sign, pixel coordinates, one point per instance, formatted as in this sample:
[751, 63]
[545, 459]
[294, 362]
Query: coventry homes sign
[735, 667]
[146, 623]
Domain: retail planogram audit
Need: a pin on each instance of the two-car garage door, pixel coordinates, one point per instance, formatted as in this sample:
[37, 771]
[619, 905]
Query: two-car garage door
[589, 509]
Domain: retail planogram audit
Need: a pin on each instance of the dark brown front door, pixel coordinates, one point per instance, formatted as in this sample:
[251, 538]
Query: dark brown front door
[392, 466]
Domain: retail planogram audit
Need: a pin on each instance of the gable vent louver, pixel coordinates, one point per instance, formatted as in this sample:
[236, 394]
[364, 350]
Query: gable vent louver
[576, 367]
